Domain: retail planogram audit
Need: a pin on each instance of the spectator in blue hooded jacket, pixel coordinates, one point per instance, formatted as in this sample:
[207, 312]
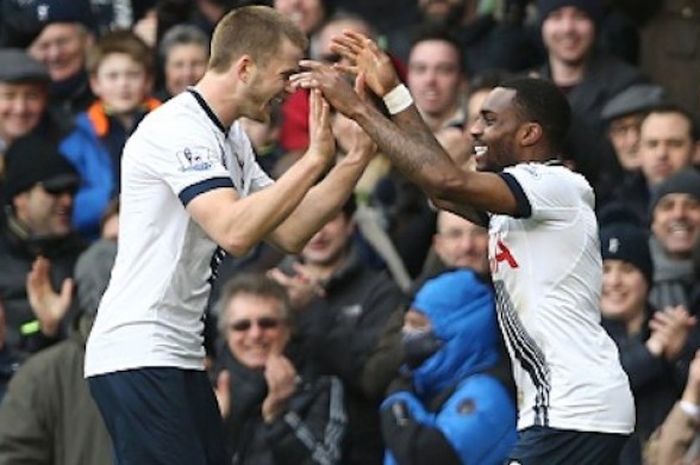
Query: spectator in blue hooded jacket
[455, 410]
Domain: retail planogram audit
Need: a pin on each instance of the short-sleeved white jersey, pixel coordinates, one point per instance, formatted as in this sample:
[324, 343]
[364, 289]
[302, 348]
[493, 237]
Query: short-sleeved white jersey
[547, 271]
[152, 312]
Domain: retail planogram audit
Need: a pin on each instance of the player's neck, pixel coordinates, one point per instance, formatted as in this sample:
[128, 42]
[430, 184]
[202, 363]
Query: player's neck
[221, 98]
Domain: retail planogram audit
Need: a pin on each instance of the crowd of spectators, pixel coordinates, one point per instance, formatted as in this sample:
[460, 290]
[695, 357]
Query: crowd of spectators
[378, 342]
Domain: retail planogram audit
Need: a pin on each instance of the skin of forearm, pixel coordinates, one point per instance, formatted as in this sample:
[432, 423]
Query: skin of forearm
[323, 201]
[416, 155]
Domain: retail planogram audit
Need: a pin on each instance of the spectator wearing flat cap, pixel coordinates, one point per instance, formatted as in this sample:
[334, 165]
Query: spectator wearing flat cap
[48, 416]
[36, 236]
[23, 95]
[675, 224]
[58, 34]
[668, 142]
[653, 345]
[588, 76]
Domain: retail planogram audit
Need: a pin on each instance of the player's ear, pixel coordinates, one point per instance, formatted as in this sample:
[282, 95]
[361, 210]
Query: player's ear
[243, 68]
[531, 133]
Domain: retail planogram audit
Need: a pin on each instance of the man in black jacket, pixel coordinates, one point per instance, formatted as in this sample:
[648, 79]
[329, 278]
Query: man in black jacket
[343, 307]
[40, 188]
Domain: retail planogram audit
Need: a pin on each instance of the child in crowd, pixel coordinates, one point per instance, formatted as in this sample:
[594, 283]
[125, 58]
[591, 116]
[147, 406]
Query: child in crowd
[120, 66]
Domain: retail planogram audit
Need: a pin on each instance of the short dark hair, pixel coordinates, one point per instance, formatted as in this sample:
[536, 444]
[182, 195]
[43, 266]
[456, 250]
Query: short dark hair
[256, 284]
[542, 102]
[120, 41]
[441, 34]
[670, 108]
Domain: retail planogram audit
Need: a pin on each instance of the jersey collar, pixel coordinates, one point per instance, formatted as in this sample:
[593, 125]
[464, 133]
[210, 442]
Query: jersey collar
[207, 109]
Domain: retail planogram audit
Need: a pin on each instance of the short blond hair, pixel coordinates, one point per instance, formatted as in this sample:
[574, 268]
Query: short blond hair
[257, 31]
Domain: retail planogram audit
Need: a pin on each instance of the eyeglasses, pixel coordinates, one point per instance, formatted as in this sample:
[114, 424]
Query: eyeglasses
[266, 322]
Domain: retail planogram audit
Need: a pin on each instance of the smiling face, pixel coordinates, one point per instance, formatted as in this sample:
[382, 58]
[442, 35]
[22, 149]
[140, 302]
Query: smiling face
[495, 130]
[21, 108]
[434, 77]
[121, 82]
[269, 82]
[676, 224]
[568, 33]
[184, 66]
[43, 212]
[256, 328]
[624, 291]
[61, 48]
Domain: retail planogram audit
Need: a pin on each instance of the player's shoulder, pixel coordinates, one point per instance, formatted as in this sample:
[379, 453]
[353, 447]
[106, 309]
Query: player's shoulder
[179, 115]
[552, 179]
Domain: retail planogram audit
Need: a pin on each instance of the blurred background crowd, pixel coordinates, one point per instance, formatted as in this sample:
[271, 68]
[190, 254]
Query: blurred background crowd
[379, 342]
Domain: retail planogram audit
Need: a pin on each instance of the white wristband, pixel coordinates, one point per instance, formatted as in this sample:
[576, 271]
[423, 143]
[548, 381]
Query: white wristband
[398, 99]
[690, 409]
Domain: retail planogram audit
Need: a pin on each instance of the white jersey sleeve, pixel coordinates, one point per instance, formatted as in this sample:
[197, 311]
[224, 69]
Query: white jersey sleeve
[189, 163]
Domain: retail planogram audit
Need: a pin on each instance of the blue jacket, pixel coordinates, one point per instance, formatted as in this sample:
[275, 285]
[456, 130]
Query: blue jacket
[478, 418]
[83, 148]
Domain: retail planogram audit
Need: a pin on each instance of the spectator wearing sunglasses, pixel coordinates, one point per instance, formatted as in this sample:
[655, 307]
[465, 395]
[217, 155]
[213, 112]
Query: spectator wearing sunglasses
[275, 412]
[40, 187]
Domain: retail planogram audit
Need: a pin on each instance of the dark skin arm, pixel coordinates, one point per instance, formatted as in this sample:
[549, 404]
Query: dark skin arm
[406, 140]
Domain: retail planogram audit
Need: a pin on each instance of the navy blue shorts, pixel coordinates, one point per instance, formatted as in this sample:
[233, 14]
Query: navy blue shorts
[539, 445]
[157, 416]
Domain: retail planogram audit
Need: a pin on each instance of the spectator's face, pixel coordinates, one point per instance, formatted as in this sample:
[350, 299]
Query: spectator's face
[306, 14]
[624, 135]
[328, 246]
[568, 33]
[61, 48]
[269, 83]
[256, 329]
[184, 66]
[666, 146]
[121, 83]
[21, 108]
[415, 321]
[434, 77]
[44, 212]
[461, 243]
[676, 224]
[494, 131]
[624, 291]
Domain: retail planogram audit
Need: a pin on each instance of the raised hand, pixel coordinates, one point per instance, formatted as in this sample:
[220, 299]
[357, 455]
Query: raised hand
[302, 288]
[222, 390]
[368, 59]
[48, 306]
[281, 380]
[362, 144]
[674, 325]
[321, 139]
[335, 88]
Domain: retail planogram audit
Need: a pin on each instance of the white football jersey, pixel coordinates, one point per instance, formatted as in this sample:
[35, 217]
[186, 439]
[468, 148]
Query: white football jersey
[152, 312]
[547, 272]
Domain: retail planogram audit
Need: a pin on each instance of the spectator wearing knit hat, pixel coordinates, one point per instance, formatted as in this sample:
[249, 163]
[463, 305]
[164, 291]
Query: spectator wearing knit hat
[588, 76]
[58, 34]
[675, 223]
[654, 359]
[39, 187]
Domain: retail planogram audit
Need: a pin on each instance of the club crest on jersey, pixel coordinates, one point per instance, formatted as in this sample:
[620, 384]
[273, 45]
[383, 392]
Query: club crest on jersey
[196, 158]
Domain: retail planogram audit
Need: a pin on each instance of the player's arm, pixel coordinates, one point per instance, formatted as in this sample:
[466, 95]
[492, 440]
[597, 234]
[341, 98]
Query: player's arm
[324, 201]
[238, 224]
[407, 141]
